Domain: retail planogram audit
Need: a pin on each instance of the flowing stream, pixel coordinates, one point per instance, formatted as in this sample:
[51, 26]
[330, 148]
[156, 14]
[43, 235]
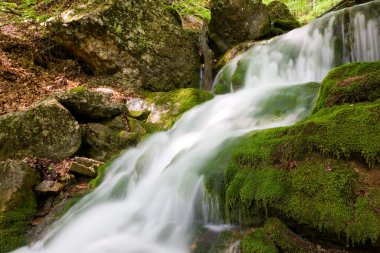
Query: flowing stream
[147, 200]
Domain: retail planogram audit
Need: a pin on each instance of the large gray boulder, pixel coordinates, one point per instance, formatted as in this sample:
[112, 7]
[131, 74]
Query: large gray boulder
[47, 130]
[140, 43]
[236, 21]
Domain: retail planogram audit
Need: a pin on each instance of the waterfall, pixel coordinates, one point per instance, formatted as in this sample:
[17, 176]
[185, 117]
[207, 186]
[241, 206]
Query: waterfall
[146, 203]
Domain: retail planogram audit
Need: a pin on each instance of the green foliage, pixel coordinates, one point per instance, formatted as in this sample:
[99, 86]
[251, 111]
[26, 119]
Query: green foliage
[27, 9]
[305, 10]
[192, 7]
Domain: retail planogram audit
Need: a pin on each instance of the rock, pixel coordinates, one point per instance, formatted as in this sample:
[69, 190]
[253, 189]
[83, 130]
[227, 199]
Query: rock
[281, 17]
[81, 169]
[88, 162]
[47, 130]
[102, 141]
[17, 202]
[139, 115]
[285, 239]
[236, 21]
[86, 104]
[49, 186]
[350, 83]
[192, 23]
[139, 42]
[167, 107]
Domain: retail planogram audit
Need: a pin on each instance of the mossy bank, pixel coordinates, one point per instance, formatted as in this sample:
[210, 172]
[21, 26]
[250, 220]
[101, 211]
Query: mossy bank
[320, 176]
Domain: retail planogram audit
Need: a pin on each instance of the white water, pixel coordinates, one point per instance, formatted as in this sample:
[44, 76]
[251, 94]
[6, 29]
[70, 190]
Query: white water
[146, 202]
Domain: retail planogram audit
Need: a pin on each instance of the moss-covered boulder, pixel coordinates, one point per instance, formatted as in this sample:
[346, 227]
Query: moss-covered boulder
[140, 42]
[167, 107]
[275, 237]
[17, 203]
[319, 176]
[281, 17]
[85, 104]
[103, 140]
[236, 21]
[47, 130]
[351, 83]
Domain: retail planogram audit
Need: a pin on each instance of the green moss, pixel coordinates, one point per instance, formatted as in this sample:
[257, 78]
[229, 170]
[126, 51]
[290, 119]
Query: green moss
[351, 83]
[258, 242]
[285, 239]
[222, 84]
[20, 208]
[99, 178]
[238, 78]
[300, 172]
[174, 103]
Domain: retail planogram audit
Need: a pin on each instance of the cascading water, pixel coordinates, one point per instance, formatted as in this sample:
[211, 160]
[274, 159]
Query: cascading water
[146, 201]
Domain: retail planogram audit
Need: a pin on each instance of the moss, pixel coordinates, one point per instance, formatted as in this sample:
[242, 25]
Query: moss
[20, 208]
[238, 78]
[174, 103]
[222, 83]
[300, 172]
[99, 178]
[258, 242]
[285, 239]
[351, 83]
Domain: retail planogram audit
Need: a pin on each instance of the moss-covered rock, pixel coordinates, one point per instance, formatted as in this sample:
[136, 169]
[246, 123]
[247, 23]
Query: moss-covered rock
[47, 130]
[139, 42]
[281, 17]
[319, 175]
[17, 203]
[258, 242]
[85, 104]
[351, 83]
[285, 239]
[102, 141]
[168, 107]
[236, 21]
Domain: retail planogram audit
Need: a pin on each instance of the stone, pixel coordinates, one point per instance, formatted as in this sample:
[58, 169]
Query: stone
[83, 170]
[48, 186]
[102, 142]
[236, 21]
[88, 162]
[140, 43]
[17, 202]
[139, 115]
[86, 104]
[281, 17]
[47, 130]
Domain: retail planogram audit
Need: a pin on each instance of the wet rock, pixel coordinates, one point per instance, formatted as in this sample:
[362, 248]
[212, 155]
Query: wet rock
[87, 104]
[47, 130]
[48, 186]
[17, 202]
[236, 21]
[139, 42]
